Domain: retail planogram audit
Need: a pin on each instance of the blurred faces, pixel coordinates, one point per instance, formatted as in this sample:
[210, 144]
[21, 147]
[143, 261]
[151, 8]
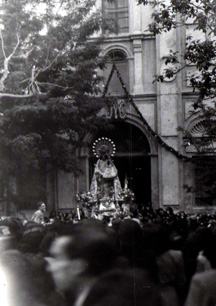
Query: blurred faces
[64, 270]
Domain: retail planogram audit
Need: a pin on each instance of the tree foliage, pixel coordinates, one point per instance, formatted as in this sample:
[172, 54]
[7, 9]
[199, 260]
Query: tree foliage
[49, 82]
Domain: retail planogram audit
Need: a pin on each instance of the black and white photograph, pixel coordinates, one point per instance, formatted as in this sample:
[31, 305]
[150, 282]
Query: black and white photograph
[107, 152]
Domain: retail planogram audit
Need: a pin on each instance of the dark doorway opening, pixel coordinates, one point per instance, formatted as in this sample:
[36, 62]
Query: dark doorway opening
[137, 171]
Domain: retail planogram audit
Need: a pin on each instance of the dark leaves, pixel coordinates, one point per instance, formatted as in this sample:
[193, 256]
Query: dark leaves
[56, 57]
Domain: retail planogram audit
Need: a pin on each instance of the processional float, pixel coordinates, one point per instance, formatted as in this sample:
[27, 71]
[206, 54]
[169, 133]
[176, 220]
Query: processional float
[106, 196]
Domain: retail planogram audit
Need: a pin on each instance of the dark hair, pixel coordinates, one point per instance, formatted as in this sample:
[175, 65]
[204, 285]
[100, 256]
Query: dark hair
[52, 214]
[39, 204]
[92, 243]
[210, 249]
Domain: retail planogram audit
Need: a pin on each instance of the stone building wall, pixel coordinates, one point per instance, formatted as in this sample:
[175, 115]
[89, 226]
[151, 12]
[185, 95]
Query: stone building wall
[166, 107]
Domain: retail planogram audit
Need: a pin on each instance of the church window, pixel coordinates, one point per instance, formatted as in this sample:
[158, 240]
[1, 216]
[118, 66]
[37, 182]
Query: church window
[118, 12]
[116, 55]
[119, 57]
[205, 181]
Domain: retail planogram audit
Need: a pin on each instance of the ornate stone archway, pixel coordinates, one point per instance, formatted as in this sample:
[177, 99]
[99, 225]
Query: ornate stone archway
[134, 158]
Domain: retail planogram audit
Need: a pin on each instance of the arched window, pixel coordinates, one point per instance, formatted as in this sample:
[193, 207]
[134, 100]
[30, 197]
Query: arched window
[119, 57]
[206, 127]
[117, 11]
[116, 55]
[201, 139]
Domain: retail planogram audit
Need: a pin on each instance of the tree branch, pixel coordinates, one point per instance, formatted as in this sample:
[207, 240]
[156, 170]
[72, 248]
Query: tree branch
[55, 85]
[16, 95]
[19, 96]
[15, 48]
[2, 44]
[6, 60]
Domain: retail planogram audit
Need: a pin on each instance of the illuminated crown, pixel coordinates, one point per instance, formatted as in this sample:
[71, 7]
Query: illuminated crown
[103, 146]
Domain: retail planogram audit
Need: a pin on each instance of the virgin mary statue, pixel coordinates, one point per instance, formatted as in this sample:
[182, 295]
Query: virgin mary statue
[105, 187]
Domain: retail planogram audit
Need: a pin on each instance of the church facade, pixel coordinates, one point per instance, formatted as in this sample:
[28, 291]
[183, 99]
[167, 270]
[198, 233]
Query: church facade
[148, 129]
[148, 118]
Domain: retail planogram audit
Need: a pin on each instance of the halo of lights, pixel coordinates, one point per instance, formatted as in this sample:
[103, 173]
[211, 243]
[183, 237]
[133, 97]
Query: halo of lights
[103, 146]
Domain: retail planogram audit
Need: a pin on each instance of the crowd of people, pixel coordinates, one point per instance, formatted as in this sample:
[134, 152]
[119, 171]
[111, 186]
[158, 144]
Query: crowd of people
[143, 258]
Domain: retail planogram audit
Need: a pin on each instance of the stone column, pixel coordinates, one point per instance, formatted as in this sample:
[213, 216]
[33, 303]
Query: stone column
[168, 112]
[135, 17]
[138, 66]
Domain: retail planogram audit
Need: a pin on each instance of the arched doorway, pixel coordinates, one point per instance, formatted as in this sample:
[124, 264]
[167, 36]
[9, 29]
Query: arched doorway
[131, 159]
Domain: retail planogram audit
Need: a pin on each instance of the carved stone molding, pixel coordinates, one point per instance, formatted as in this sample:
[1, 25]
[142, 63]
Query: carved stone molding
[117, 109]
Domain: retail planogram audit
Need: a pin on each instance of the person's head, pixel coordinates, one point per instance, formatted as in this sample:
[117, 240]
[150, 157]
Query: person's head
[52, 214]
[210, 249]
[41, 206]
[129, 238]
[32, 237]
[61, 215]
[11, 231]
[86, 253]
[63, 269]
[169, 211]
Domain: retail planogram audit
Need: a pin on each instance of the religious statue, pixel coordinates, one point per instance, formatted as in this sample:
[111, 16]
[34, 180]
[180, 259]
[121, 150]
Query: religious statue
[106, 196]
[105, 187]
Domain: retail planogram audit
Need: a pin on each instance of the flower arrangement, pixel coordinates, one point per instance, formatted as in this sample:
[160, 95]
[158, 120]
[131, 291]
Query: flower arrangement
[127, 196]
[88, 200]
[85, 199]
